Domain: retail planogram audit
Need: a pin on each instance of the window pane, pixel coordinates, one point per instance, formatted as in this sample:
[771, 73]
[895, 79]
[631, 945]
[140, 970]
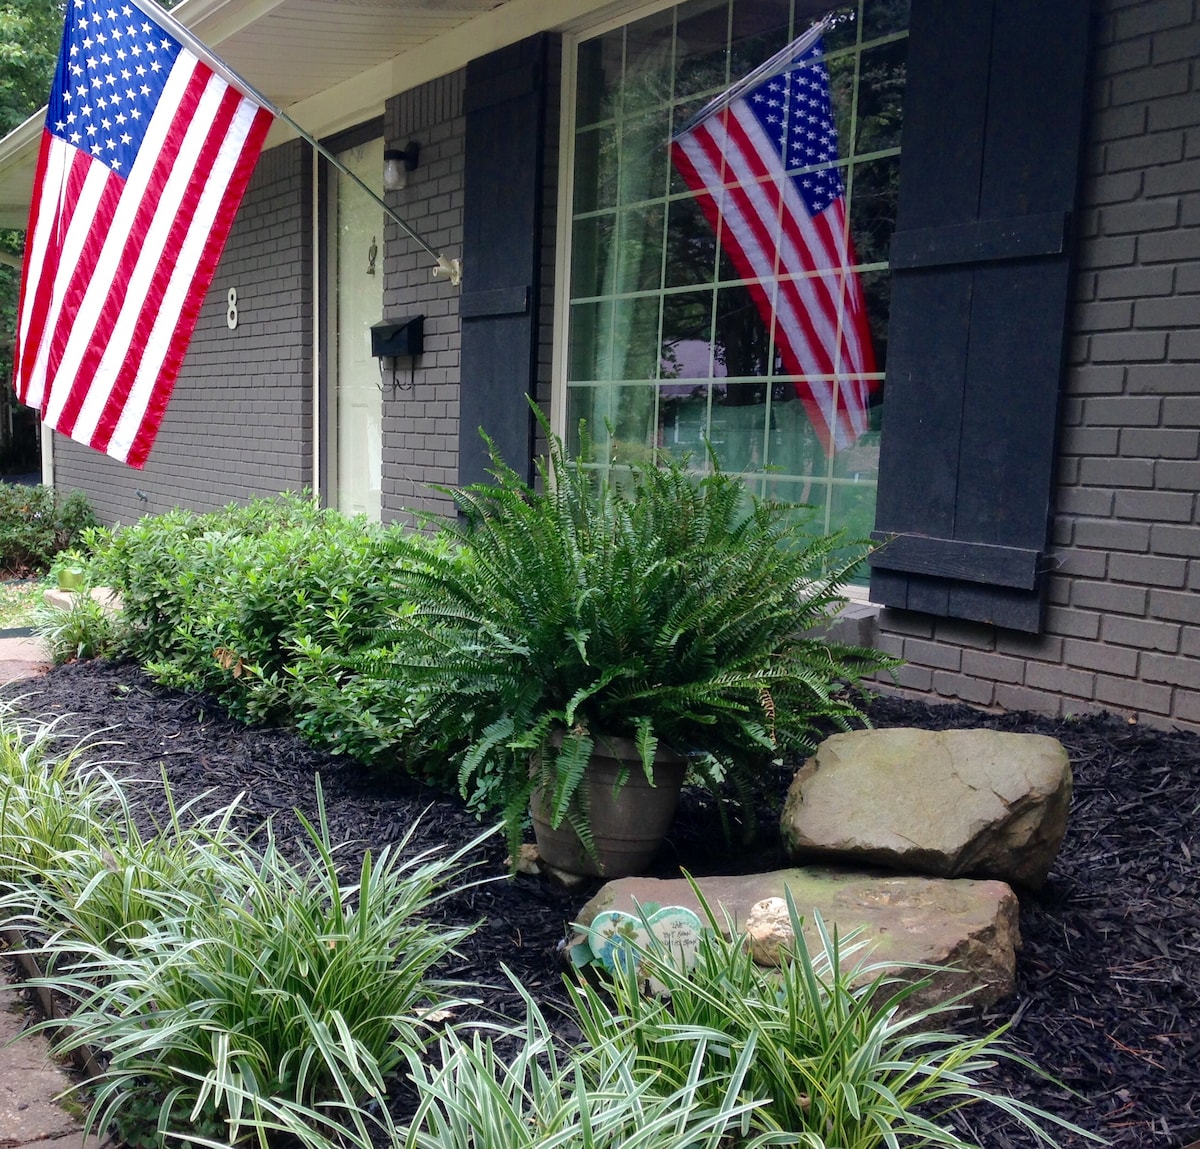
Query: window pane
[729, 274]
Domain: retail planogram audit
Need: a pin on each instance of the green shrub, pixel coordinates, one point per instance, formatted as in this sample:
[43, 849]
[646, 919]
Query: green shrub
[88, 628]
[36, 523]
[261, 606]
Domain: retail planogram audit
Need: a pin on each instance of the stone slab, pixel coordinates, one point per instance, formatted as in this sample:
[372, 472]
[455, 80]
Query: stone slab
[966, 927]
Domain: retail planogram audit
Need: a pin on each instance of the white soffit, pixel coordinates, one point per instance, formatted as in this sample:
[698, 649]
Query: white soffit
[328, 63]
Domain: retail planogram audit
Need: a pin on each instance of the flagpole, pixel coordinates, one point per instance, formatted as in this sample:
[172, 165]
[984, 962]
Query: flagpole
[450, 269]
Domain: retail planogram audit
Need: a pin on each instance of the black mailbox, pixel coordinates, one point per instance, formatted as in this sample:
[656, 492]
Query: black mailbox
[398, 338]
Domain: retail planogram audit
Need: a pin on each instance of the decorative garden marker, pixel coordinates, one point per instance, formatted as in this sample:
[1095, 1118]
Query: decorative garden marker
[609, 937]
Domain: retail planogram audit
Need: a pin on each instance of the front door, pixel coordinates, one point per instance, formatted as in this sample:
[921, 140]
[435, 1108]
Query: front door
[356, 456]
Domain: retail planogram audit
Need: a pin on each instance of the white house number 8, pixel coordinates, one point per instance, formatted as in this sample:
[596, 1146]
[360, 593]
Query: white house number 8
[231, 312]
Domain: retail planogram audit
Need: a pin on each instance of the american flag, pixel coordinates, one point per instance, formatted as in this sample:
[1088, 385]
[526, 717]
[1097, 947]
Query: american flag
[762, 160]
[147, 149]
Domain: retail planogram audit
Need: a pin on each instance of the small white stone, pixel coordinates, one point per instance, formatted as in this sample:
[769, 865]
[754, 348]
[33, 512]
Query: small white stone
[769, 930]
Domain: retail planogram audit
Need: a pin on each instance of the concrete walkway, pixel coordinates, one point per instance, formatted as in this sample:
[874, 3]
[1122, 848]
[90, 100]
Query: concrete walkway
[32, 1116]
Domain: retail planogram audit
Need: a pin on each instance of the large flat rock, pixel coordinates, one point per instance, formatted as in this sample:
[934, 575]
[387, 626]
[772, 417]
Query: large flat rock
[948, 803]
[966, 927]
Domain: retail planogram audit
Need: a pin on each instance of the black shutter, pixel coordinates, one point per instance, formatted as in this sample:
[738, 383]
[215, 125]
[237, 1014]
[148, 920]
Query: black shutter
[502, 207]
[980, 261]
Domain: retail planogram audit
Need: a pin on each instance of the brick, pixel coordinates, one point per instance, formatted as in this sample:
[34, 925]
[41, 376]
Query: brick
[1187, 709]
[1134, 282]
[1079, 563]
[1107, 597]
[1160, 443]
[1117, 660]
[1120, 123]
[1169, 604]
[1121, 55]
[1133, 695]
[938, 655]
[993, 667]
[1140, 19]
[1090, 380]
[1115, 251]
[1166, 539]
[1163, 379]
[1181, 311]
[1160, 506]
[1128, 346]
[1060, 680]
[1072, 624]
[1018, 698]
[1117, 472]
[1144, 151]
[1169, 246]
[1123, 411]
[1029, 646]
[1115, 187]
[1189, 642]
[1173, 112]
[1142, 634]
[1109, 535]
[1171, 179]
[1113, 316]
[1181, 411]
[1094, 501]
[1090, 441]
[967, 689]
[1151, 83]
[1148, 570]
[915, 678]
[1184, 345]
[1177, 475]
[1172, 670]
[1181, 43]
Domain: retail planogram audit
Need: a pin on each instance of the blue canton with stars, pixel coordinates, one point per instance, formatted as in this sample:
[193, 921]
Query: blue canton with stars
[795, 111]
[114, 63]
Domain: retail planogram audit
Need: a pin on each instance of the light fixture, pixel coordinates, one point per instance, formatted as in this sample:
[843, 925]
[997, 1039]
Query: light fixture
[397, 163]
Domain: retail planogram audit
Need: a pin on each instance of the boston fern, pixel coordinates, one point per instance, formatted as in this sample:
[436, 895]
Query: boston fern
[659, 604]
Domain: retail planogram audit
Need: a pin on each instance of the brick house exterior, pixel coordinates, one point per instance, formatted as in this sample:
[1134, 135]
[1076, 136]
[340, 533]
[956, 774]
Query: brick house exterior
[1118, 628]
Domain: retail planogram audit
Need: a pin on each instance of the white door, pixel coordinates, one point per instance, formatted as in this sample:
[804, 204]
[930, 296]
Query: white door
[357, 462]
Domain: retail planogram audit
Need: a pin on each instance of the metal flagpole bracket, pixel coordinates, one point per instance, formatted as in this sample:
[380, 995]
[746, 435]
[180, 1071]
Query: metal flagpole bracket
[449, 270]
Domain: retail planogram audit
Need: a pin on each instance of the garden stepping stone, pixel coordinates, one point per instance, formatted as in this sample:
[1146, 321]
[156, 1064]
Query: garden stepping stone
[983, 803]
[967, 924]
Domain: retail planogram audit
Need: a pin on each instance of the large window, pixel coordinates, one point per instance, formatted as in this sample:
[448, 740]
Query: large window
[729, 242]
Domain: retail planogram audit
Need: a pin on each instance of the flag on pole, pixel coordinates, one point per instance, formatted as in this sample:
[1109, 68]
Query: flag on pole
[147, 149]
[762, 159]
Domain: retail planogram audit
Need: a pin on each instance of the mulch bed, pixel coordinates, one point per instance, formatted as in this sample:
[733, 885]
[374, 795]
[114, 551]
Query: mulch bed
[1108, 995]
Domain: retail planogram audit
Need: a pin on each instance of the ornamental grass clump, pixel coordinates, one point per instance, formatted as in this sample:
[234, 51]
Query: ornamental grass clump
[251, 990]
[666, 606]
[836, 1057]
[590, 1098]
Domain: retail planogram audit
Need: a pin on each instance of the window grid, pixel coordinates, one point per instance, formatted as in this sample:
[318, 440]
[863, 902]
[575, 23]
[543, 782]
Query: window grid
[765, 482]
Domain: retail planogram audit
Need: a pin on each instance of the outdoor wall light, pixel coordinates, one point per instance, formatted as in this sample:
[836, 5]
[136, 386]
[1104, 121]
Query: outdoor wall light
[397, 163]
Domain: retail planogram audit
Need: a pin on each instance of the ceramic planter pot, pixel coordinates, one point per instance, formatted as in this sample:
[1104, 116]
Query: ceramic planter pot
[627, 827]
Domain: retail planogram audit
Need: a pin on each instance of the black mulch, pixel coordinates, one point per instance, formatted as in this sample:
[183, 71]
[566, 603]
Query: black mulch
[1109, 977]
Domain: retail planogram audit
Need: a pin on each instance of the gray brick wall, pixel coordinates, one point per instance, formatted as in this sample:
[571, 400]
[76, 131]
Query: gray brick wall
[1123, 623]
[420, 424]
[239, 423]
